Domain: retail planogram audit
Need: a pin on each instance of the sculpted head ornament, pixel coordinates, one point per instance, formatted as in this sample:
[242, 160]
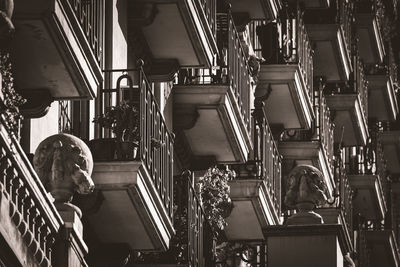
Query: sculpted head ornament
[64, 164]
[306, 188]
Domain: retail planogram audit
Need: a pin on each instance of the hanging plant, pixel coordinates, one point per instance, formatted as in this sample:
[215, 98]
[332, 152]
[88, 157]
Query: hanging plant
[12, 100]
[214, 192]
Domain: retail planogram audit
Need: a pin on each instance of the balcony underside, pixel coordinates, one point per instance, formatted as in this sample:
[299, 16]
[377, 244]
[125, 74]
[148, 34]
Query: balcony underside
[348, 116]
[252, 210]
[310, 153]
[382, 98]
[331, 58]
[391, 148]
[369, 199]
[257, 9]
[383, 248]
[215, 127]
[179, 30]
[132, 211]
[288, 103]
[368, 33]
[50, 51]
[313, 3]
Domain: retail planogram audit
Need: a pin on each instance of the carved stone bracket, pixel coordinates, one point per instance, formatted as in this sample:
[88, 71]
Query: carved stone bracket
[37, 104]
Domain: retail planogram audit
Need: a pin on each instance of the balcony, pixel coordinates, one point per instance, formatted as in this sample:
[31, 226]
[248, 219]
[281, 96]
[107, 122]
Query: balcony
[137, 189]
[349, 102]
[315, 146]
[256, 9]
[29, 221]
[184, 30]
[63, 43]
[219, 97]
[367, 177]
[381, 79]
[286, 77]
[330, 30]
[383, 246]
[256, 192]
[192, 228]
[368, 32]
[390, 140]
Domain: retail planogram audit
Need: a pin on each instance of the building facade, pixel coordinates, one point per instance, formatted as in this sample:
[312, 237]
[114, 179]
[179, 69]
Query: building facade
[199, 133]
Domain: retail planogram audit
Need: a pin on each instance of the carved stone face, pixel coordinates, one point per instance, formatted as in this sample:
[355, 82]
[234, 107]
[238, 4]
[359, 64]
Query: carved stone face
[64, 164]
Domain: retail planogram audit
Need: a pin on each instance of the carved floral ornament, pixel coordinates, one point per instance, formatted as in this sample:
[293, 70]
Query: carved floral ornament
[64, 164]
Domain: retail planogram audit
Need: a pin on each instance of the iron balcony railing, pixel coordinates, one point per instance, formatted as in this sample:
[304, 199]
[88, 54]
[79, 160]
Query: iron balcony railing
[209, 7]
[90, 14]
[267, 156]
[31, 211]
[194, 242]
[156, 142]
[341, 13]
[284, 42]
[357, 84]
[232, 68]
[345, 195]
[242, 253]
[322, 128]
[200, 238]
[266, 162]
[369, 160]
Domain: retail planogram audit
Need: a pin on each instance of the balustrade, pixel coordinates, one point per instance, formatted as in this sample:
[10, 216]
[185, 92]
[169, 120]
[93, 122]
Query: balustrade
[155, 141]
[30, 210]
[232, 67]
[267, 157]
[284, 42]
[90, 15]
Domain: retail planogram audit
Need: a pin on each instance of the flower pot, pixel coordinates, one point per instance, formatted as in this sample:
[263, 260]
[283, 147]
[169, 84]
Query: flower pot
[103, 149]
[127, 150]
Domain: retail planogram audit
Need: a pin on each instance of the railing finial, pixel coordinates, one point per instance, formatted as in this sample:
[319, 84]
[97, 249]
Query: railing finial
[140, 63]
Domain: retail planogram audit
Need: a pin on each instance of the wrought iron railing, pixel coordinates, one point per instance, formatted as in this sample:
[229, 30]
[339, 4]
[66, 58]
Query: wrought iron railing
[369, 160]
[266, 154]
[356, 85]
[194, 242]
[91, 16]
[242, 254]
[34, 215]
[322, 128]
[64, 116]
[201, 240]
[345, 195]
[341, 12]
[156, 142]
[232, 68]
[209, 7]
[345, 19]
[284, 42]
[360, 82]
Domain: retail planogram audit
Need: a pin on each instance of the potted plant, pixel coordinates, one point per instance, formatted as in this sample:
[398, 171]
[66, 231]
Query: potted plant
[214, 191]
[123, 121]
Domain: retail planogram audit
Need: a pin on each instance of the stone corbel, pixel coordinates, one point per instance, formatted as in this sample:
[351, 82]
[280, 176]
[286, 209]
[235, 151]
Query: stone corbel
[185, 117]
[37, 104]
